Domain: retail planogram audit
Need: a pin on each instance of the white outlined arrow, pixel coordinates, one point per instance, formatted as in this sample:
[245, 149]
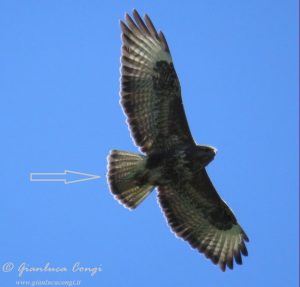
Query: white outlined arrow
[62, 176]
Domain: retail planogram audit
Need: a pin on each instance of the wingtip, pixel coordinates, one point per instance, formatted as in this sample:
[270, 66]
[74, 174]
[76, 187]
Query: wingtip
[238, 258]
[230, 264]
[121, 23]
[135, 12]
[222, 266]
[127, 17]
[164, 41]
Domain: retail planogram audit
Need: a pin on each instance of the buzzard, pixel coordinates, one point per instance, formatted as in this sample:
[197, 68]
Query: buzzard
[171, 161]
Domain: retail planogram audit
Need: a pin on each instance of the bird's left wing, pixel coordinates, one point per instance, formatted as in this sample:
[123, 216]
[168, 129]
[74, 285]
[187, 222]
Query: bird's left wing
[150, 89]
[197, 214]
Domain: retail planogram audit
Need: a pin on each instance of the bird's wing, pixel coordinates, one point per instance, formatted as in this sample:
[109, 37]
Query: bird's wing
[197, 214]
[150, 89]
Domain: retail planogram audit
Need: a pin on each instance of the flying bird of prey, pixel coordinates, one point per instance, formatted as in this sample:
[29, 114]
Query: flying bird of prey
[171, 161]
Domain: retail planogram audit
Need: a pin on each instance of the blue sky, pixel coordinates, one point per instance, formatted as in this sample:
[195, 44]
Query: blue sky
[59, 81]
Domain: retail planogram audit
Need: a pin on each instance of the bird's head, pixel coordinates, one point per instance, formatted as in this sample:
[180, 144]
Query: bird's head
[206, 153]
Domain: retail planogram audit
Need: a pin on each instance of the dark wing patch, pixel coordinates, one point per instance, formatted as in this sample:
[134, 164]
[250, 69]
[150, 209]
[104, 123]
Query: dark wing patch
[150, 89]
[198, 215]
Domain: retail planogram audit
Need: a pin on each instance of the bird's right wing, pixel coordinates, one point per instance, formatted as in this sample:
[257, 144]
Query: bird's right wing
[197, 214]
[150, 89]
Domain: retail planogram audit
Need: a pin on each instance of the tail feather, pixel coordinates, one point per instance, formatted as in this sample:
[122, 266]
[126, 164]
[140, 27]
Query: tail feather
[127, 177]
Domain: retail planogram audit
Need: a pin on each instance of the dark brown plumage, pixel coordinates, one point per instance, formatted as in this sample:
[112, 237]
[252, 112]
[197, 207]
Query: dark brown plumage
[151, 99]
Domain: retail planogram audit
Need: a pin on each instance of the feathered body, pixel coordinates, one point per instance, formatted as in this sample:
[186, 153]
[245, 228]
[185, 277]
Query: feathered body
[172, 162]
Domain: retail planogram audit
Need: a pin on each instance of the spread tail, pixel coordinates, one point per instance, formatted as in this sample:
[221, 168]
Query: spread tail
[127, 177]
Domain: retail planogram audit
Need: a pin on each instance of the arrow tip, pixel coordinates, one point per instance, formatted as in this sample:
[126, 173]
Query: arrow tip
[75, 176]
